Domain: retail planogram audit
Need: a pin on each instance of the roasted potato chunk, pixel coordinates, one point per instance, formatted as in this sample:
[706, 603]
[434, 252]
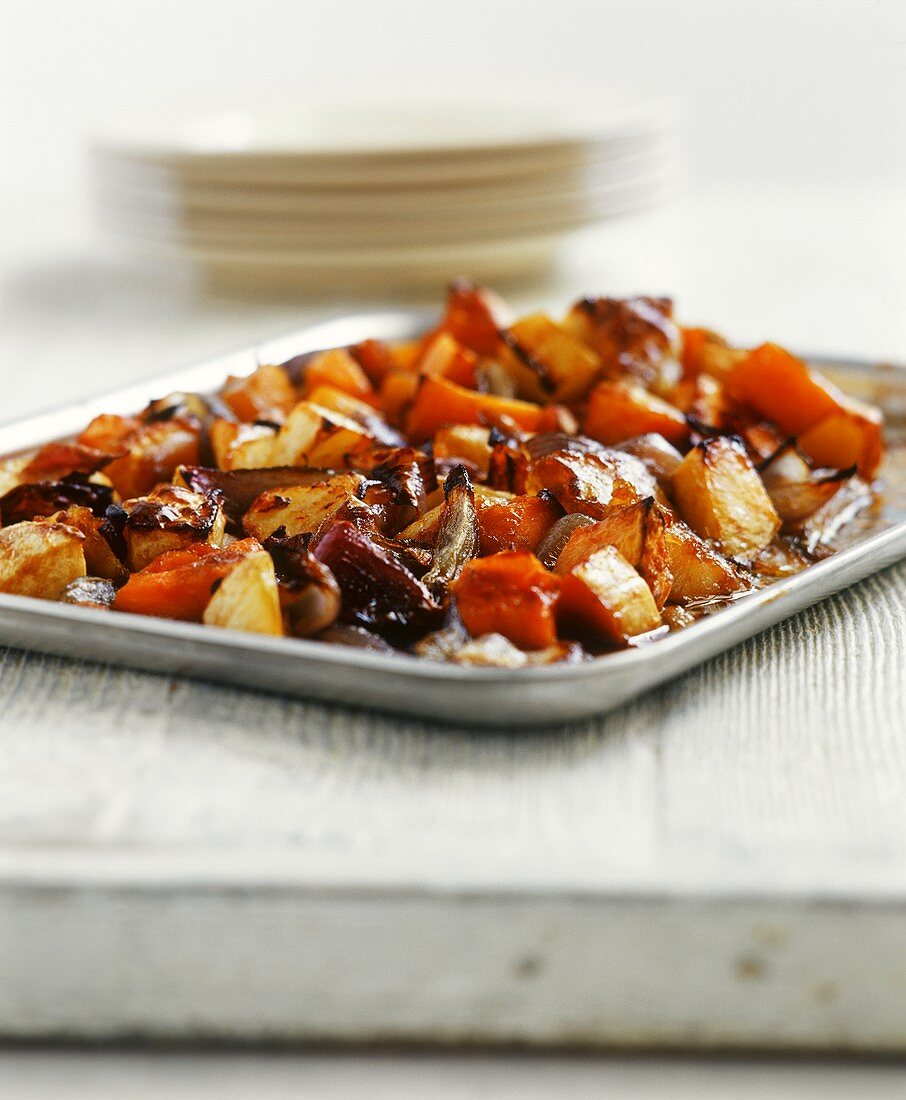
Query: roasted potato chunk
[604, 597]
[315, 436]
[247, 598]
[148, 452]
[169, 519]
[40, 558]
[591, 482]
[553, 364]
[721, 496]
[300, 509]
[699, 572]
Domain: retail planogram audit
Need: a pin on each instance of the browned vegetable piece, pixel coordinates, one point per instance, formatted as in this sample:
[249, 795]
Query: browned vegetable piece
[465, 443]
[552, 363]
[623, 409]
[300, 509]
[339, 369]
[309, 594]
[399, 480]
[266, 394]
[518, 522]
[355, 637]
[473, 317]
[795, 489]
[59, 461]
[699, 572]
[634, 337]
[30, 501]
[149, 452]
[378, 592]
[721, 496]
[551, 546]
[100, 558]
[660, 457]
[314, 436]
[510, 594]
[457, 536]
[97, 593]
[40, 558]
[168, 519]
[239, 488]
[591, 482]
[638, 532]
[604, 597]
[247, 598]
[242, 446]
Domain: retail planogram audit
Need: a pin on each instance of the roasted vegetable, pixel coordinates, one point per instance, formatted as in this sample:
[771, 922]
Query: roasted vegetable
[40, 558]
[457, 535]
[607, 477]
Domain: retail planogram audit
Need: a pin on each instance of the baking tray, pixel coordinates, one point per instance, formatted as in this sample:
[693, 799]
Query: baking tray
[397, 682]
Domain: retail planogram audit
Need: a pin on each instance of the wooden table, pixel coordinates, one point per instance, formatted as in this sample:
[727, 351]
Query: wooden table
[722, 863]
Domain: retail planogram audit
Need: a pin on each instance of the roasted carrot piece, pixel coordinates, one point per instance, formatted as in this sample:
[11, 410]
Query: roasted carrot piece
[782, 388]
[178, 584]
[623, 410]
[440, 402]
[510, 594]
[267, 394]
[853, 435]
[519, 523]
[398, 390]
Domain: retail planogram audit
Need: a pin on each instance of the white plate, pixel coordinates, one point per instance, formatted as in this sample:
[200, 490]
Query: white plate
[380, 131]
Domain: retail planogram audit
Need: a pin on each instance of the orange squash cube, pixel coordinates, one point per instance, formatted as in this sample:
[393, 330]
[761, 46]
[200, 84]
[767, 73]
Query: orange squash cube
[510, 594]
[624, 410]
[267, 394]
[337, 368]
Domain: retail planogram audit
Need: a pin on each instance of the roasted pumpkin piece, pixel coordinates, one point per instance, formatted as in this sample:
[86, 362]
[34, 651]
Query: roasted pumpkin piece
[591, 482]
[517, 523]
[473, 317]
[851, 436]
[241, 446]
[510, 594]
[300, 509]
[153, 451]
[466, 443]
[439, 402]
[554, 364]
[337, 368]
[604, 597]
[699, 572]
[423, 531]
[180, 583]
[375, 358]
[835, 430]
[634, 337]
[621, 410]
[247, 598]
[721, 497]
[704, 352]
[378, 592]
[315, 436]
[40, 558]
[705, 404]
[266, 394]
[108, 433]
[638, 531]
[399, 389]
[169, 519]
[445, 357]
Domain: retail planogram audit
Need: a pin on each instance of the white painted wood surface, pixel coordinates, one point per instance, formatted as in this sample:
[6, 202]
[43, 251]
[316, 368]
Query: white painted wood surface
[720, 863]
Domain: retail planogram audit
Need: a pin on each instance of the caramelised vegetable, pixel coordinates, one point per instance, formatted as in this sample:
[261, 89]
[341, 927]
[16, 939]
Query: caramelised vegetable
[500, 492]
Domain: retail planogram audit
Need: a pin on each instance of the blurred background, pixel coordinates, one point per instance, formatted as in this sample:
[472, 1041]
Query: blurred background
[785, 217]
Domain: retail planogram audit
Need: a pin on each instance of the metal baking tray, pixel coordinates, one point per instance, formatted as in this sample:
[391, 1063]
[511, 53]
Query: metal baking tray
[400, 683]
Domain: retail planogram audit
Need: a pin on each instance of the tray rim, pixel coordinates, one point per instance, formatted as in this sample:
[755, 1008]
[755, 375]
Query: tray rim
[680, 650]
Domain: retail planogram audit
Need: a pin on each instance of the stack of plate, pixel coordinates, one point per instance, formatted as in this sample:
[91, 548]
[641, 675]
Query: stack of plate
[399, 197]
